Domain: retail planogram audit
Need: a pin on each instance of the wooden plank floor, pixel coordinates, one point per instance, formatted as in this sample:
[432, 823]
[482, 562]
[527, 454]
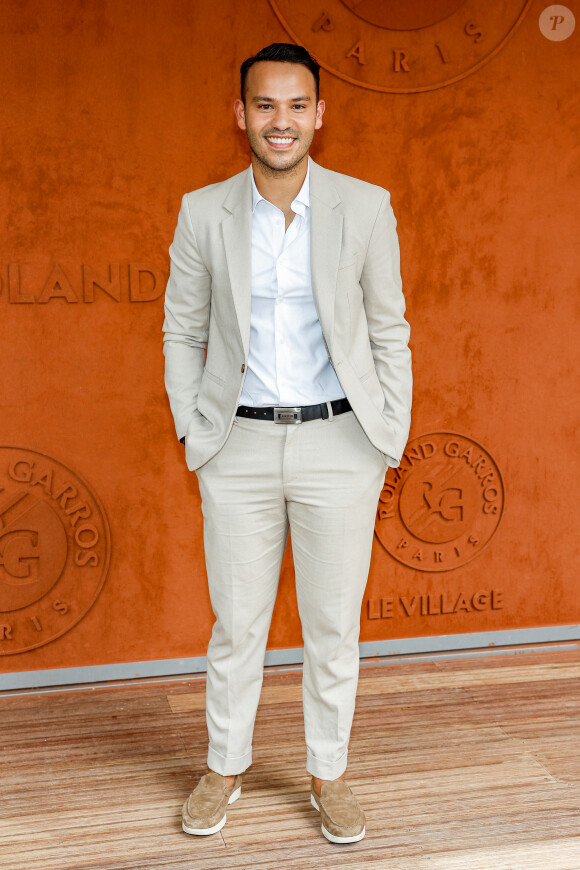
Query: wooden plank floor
[460, 765]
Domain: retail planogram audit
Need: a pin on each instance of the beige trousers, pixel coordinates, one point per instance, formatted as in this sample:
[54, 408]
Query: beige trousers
[322, 480]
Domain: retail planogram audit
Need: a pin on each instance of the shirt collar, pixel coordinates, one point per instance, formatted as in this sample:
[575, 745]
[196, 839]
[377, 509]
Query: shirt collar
[299, 205]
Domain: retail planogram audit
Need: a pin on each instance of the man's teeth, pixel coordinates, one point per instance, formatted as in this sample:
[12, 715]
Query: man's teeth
[280, 140]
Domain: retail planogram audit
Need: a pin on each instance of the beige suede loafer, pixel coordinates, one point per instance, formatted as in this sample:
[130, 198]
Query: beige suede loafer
[343, 821]
[204, 811]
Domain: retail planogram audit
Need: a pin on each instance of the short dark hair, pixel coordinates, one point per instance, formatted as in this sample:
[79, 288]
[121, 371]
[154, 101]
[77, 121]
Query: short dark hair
[283, 52]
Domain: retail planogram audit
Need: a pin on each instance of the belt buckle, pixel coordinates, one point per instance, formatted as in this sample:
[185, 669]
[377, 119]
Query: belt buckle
[287, 415]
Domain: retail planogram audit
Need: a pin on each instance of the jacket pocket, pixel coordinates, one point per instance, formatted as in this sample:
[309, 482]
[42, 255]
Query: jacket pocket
[367, 375]
[215, 378]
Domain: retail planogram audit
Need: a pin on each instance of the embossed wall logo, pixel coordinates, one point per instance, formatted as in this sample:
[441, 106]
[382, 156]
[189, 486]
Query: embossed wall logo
[54, 549]
[403, 46]
[441, 507]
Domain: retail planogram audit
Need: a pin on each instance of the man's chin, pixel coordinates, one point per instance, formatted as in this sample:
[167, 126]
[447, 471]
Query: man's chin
[285, 162]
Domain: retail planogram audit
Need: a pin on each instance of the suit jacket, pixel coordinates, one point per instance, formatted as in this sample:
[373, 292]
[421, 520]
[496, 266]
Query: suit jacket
[357, 291]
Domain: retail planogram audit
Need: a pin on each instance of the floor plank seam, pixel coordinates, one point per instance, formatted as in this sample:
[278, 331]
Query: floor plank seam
[535, 755]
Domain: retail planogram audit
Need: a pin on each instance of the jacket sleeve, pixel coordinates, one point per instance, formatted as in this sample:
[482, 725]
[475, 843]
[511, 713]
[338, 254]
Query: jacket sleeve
[388, 330]
[186, 326]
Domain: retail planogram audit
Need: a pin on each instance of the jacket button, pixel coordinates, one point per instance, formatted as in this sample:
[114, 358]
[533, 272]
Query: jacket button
[243, 368]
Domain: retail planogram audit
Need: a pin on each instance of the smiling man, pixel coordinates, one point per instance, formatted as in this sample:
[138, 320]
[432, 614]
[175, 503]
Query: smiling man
[288, 274]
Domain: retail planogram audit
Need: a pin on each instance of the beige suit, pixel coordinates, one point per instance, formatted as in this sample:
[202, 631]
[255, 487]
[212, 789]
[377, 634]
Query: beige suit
[357, 291]
[321, 479]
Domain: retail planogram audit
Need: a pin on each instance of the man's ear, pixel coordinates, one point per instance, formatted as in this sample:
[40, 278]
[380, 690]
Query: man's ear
[320, 107]
[240, 111]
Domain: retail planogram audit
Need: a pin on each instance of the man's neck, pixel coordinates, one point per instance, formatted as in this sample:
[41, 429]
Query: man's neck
[279, 188]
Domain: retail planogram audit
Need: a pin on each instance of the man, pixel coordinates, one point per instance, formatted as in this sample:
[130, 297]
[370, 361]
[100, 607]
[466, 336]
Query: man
[289, 275]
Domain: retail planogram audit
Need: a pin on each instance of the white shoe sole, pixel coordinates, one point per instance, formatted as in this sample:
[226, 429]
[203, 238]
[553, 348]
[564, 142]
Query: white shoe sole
[332, 837]
[204, 832]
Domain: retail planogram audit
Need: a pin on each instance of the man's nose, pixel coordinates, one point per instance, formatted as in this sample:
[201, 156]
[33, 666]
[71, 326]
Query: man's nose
[282, 119]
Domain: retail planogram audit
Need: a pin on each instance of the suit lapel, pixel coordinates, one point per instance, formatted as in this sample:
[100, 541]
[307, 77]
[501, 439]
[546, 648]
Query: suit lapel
[325, 246]
[237, 235]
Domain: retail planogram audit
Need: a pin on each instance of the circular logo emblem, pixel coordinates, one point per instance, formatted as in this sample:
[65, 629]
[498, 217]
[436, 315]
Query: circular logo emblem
[442, 505]
[54, 549]
[557, 23]
[403, 46]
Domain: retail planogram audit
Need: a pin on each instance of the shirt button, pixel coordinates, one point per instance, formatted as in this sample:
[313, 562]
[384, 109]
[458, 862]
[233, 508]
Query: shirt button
[243, 368]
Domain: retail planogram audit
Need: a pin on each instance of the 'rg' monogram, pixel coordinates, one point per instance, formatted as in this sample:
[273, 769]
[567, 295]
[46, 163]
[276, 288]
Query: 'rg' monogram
[445, 503]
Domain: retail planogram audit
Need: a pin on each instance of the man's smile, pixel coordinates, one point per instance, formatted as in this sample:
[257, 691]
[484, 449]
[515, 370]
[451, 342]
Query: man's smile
[280, 141]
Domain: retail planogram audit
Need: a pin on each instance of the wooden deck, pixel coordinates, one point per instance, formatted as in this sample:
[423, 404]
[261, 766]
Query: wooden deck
[459, 765]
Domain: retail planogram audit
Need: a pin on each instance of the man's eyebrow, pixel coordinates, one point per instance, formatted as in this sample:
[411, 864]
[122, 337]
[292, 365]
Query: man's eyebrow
[260, 99]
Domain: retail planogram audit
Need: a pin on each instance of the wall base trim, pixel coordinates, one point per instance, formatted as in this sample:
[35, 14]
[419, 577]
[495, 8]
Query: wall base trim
[455, 645]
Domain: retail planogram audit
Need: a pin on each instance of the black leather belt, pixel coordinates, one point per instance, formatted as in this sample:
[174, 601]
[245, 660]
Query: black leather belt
[294, 415]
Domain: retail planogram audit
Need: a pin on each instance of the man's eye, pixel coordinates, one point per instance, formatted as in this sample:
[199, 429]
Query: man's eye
[264, 106]
[299, 106]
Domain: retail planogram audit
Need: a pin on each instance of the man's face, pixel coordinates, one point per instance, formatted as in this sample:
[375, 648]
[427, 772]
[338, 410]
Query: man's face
[280, 113]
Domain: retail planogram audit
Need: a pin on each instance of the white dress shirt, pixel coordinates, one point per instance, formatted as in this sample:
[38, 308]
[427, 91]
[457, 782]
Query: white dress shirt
[287, 362]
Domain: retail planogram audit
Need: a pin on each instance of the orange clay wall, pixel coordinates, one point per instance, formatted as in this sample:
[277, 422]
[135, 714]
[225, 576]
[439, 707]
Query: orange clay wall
[468, 113]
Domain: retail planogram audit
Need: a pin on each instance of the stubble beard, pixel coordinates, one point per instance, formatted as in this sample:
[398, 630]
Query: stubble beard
[274, 170]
